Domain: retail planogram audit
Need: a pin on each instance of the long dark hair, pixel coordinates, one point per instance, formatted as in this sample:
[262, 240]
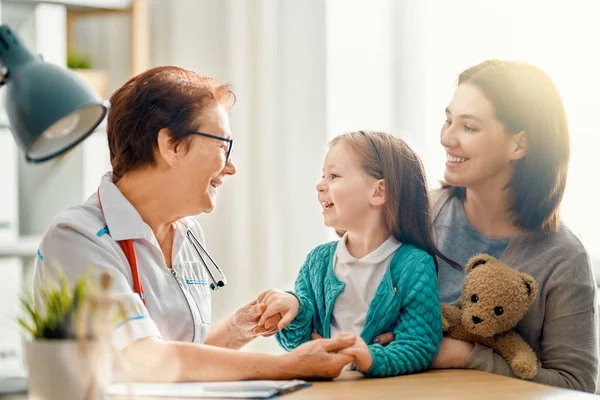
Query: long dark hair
[406, 212]
[525, 99]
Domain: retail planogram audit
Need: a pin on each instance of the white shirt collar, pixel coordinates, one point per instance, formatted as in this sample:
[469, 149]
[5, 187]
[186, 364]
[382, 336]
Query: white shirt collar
[122, 218]
[376, 256]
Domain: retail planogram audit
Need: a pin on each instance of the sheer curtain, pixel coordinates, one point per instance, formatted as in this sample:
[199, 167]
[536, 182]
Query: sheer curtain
[267, 217]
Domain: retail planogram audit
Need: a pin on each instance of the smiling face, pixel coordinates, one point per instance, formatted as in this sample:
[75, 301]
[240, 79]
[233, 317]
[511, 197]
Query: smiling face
[202, 169]
[346, 192]
[479, 149]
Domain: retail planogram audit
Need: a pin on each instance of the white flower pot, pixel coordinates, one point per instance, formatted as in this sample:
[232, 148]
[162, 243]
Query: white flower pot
[59, 370]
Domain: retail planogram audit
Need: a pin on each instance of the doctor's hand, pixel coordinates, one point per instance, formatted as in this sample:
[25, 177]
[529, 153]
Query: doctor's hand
[321, 358]
[246, 318]
[281, 309]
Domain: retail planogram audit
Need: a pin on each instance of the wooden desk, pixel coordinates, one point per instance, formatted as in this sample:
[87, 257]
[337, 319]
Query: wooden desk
[446, 385]
[440, 384]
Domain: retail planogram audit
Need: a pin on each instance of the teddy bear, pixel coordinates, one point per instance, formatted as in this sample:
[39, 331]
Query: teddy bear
[494, 298]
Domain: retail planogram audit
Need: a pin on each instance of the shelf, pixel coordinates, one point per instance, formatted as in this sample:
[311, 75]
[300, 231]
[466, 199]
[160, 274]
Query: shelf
[82, 5]
[137, 10]
[25, 246]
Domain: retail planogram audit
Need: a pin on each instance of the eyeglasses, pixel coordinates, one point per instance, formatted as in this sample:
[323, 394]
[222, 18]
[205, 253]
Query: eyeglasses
[214, 285]
[208, 135]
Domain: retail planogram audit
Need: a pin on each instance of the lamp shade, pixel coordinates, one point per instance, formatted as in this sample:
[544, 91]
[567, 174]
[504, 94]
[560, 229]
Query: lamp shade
[50, 110]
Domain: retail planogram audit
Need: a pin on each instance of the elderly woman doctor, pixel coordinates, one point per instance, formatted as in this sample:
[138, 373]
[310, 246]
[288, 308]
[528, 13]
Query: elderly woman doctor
[170, 147]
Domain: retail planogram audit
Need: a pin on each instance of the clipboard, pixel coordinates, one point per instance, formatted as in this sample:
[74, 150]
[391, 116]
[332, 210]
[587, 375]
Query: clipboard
[226, 390]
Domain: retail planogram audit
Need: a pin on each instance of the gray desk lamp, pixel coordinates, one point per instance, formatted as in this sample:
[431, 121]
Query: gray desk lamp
[49, 109]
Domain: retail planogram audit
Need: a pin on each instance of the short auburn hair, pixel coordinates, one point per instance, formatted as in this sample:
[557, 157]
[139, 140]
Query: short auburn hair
[163, 97]
[525, 99]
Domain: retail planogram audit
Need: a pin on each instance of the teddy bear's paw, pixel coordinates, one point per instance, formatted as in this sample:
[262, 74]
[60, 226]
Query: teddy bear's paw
[524, 366]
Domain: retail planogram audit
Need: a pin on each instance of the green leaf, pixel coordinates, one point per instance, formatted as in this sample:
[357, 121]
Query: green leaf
[60, 303]
[77, 60]
[27, 327]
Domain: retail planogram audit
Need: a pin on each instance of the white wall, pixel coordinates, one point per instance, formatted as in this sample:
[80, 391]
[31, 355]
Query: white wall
[439, 39]
[360, 65]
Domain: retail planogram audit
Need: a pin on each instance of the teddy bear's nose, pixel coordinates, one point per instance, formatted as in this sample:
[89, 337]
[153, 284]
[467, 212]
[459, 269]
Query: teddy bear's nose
[476, 319]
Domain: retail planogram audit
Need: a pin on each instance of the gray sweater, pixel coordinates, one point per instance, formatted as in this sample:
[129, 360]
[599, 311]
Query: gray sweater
[561, 325]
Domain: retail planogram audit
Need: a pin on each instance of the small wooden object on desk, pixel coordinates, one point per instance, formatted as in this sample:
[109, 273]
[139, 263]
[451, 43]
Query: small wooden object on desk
[99, 307]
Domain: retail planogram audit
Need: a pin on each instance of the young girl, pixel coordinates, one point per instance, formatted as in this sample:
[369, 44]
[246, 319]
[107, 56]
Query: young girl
[381, 276]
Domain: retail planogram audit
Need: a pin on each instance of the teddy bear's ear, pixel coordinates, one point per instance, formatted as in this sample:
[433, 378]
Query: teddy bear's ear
[478, 260]
[530, 286]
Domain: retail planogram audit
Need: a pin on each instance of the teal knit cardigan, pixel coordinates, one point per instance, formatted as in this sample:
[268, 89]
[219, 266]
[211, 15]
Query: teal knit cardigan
[406, 303]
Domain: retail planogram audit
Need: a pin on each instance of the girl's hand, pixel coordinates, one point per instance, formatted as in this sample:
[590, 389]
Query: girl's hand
[281, 309]
[361, 354]
[453, 354]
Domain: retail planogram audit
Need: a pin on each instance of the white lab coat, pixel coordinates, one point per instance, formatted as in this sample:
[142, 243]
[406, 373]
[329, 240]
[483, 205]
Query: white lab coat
[85, 237]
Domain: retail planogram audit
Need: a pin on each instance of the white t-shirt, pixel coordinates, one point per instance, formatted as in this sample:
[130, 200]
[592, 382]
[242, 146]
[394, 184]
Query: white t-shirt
[85, 237]
[362, 278]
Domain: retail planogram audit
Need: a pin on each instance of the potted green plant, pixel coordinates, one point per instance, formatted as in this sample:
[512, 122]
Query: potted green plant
[82, 65]
[65, 358]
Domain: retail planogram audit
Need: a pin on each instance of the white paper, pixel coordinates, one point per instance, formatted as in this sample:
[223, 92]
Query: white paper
[238, 390]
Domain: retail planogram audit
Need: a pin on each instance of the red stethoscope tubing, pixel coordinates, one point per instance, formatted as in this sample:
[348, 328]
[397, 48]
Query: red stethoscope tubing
[127, 246]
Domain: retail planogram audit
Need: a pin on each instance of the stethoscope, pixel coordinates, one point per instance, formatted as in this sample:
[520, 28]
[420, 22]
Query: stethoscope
[215, 284]
[128, 249]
